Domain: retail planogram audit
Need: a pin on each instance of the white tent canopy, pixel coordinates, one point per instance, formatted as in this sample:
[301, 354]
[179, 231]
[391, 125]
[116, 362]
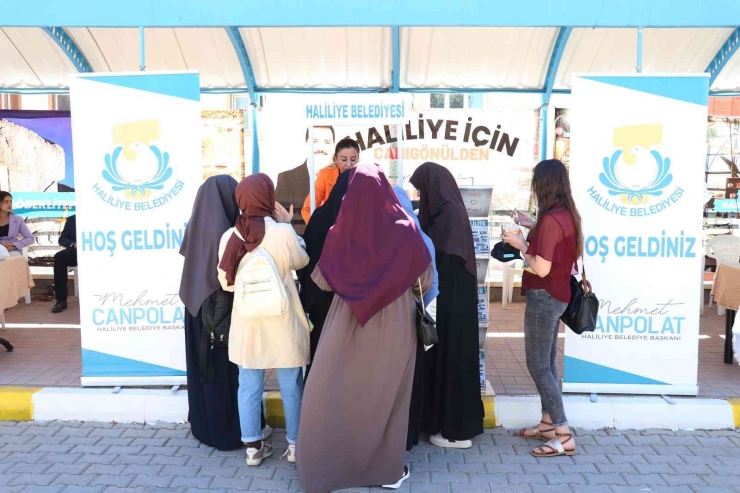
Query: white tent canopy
[360, 58]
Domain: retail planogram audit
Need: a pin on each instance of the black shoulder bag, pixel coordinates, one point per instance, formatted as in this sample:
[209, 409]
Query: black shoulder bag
[580, 316]
[216, 317]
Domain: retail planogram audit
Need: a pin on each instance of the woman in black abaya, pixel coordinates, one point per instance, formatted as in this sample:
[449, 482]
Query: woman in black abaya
[213, 414]
[315, 301]
[453, 410]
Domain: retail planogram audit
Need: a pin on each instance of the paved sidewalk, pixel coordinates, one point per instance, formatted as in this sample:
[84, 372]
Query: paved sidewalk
[103, 457]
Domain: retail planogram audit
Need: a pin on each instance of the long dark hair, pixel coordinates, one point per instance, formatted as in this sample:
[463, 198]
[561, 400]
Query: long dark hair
[3, 195]
[551, 186]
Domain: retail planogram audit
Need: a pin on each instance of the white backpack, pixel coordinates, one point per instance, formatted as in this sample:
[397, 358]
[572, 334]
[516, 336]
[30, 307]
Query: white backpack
[259, 291]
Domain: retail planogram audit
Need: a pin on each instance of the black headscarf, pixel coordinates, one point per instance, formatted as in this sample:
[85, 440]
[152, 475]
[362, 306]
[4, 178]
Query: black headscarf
[318, 227]
[442, 213]
[214, 212]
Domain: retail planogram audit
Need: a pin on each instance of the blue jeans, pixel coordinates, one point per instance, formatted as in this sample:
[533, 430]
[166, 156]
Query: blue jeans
[251, 389]
[541, 320]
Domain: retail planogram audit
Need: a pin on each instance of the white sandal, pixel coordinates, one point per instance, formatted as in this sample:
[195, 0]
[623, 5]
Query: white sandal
[556, 446]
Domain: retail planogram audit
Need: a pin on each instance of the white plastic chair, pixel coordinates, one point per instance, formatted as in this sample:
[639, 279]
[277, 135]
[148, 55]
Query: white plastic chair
[28, 294]
[510, 270]
[725, 249]
[75, 271]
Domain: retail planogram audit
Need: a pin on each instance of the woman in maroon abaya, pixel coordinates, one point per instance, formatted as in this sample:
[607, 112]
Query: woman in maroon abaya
[355, 413]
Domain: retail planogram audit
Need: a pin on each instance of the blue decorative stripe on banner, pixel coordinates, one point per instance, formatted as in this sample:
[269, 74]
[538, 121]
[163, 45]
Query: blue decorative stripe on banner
[689, 89]
[97, 364]
[186, 86]
[580, 371]
[44, 204]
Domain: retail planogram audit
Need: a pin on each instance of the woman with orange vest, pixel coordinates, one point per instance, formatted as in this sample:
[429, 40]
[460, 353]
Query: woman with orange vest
[346, 156]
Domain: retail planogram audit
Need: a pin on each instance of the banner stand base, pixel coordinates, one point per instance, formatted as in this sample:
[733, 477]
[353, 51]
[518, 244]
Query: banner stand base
[632, 389]
[133, 381]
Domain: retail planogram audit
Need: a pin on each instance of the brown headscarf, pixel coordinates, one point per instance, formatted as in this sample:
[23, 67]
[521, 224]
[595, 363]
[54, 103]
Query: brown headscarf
[442, 213]
[255, 195]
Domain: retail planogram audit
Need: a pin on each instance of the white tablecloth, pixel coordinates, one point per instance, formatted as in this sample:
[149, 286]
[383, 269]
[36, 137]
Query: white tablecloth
[15, 280]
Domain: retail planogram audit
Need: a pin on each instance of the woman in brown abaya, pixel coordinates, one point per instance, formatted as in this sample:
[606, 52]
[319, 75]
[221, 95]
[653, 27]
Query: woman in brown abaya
[355, 413]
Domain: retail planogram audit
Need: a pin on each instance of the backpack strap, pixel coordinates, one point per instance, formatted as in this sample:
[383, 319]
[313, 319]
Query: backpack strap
[238, 235]
[287, 275]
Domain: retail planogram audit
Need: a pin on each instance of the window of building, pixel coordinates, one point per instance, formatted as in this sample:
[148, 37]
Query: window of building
[457, 101]
[448, 101]
[437, 100]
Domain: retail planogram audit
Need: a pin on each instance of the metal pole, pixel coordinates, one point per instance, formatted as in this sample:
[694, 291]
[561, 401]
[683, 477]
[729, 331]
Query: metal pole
[396, 70]
[142, 50]
[255, 141]
[639, 50]
[399, 156]
[543, 131]
[311, 177]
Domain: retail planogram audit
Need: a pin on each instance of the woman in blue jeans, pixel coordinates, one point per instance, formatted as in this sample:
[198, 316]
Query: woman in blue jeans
[260, 343]
[552, 248]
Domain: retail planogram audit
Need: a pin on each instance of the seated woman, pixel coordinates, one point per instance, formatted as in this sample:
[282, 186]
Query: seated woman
[346, 156]
[14, 234]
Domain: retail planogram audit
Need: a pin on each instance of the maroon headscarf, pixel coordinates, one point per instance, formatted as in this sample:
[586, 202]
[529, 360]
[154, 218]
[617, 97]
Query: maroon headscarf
[442, 213]
[373, 253]
[255, 195]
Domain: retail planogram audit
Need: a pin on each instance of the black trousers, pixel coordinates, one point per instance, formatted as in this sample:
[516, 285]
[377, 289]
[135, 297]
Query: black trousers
[62, 260]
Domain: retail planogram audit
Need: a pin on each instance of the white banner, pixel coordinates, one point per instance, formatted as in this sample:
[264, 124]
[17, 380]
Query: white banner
[638, 145]
[346, 109]
[480, 147]
[137, 141]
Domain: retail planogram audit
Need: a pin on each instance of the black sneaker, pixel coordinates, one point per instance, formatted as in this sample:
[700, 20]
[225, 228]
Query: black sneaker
[59, 307]
[406, 475]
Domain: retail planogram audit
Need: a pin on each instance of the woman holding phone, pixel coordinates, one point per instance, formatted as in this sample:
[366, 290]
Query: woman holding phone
[551, 249]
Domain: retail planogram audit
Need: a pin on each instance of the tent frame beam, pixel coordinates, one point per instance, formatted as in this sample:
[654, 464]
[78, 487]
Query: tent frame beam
[342, 13]
[552, 71]
[723, 56]
[80, 62]
[345, 90]
[235, 36]
[69, 47]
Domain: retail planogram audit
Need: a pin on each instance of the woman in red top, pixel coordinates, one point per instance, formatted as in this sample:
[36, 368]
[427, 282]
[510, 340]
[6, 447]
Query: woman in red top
[552, 248]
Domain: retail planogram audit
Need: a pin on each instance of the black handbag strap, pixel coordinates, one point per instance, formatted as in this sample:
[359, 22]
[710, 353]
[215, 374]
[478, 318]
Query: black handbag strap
[421, 296]
[584, 284]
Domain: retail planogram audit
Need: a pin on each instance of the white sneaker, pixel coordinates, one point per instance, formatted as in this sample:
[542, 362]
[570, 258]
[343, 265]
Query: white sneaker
[290, 453]
[441, 441]
[266, 432]
[406, 475]
[255, 457]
